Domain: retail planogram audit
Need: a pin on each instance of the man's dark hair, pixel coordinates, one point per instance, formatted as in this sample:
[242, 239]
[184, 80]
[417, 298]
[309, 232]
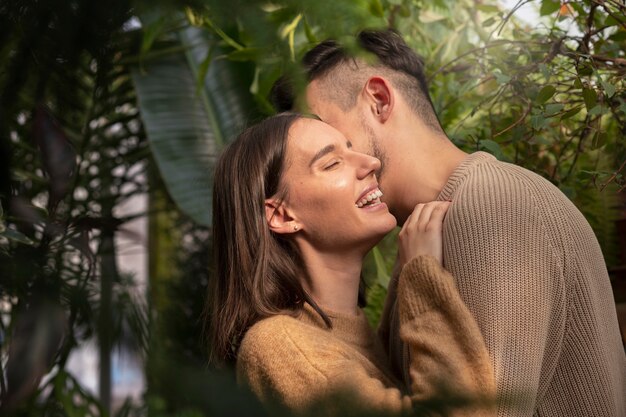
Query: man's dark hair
[404, 68]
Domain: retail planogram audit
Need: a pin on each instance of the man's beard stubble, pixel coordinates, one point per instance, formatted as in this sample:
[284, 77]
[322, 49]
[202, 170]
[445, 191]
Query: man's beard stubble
[375, 149]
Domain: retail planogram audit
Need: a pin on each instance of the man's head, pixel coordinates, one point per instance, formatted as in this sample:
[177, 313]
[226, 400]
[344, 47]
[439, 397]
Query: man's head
[330, 64]
[376, 96]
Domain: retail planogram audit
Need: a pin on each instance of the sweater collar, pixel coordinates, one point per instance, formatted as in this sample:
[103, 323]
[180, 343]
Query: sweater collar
[352, 329]
[460, 173]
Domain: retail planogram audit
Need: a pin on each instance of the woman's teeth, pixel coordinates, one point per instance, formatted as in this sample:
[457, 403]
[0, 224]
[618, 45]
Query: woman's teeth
[373, 197]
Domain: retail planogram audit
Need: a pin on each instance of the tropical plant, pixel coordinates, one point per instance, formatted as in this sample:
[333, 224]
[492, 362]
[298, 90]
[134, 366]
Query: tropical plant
[75, 151]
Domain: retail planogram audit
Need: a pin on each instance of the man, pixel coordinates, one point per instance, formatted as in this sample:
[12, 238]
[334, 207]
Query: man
[526, 261]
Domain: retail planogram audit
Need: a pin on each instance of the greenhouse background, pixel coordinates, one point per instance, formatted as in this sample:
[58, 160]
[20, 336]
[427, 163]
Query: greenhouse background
[112, 115]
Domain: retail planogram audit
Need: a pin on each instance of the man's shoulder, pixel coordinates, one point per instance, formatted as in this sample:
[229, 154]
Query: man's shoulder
[493, 179]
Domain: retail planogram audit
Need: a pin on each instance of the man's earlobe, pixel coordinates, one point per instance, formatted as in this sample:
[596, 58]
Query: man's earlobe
[279, 219]
[380, 95]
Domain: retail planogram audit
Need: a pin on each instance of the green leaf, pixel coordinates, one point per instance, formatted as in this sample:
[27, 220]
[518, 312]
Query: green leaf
[578, 83]
[538, 121]
[554, 108]
[310, 36]
[611, 21]
[622, 106]
[487, 8]
[501, 78]
[489, 22]
[376, 8]
[245, 54]
[549, 7]
[597, 110]
[571, 113]
[381, 269]
[609, 89]
[16, 236]
[545, 94]
[618, 36]
[493, 147]
[542, 140]
[584, 69]
[187, 126]
[599, 139]
[590, 97]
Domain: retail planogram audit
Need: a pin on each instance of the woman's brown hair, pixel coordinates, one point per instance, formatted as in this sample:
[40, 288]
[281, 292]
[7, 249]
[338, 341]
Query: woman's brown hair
[258, 273]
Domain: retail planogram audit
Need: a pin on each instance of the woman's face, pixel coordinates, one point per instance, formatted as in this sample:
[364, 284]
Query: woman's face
[333, 194]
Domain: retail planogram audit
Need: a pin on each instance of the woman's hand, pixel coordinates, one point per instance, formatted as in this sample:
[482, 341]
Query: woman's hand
[422, 232]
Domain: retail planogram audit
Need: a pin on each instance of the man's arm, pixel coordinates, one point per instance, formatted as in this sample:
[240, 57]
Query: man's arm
[509, 273]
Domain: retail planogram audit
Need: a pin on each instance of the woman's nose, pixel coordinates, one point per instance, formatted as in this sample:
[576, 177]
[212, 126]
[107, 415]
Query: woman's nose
[368, 165]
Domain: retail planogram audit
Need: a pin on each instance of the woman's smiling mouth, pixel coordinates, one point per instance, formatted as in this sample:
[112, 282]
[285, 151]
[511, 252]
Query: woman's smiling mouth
[373, 197]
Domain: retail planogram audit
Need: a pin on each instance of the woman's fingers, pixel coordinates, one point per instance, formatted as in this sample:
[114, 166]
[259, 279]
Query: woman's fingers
[422, 232]
[431, 217]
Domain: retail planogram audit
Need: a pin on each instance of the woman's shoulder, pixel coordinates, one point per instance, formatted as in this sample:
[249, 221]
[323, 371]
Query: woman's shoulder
[269, 330]
[279, 342]
[276, 334]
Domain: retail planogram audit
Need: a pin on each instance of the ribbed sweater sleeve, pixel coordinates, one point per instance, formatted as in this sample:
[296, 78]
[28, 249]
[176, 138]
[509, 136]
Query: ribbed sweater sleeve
[446, 350]
[510, 274]
[531, 272]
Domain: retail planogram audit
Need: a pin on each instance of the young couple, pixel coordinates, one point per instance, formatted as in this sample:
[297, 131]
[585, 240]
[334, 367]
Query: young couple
[522, 315]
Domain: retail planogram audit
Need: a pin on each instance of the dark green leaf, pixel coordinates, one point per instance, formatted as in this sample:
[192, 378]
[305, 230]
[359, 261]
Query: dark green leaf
[597, 109]
[501, 78]
[493, 147]
[310, 36]
[584, 69]
[571, 112]
[609, 89]
[186, 126]
[489, 22]
[578, 83]
[245, 54]
[545, 94]
[611, 21]
[599, 139]
[549, 7]
[551, 109]
[381, 269]
[590, 97]
[16, 236]
[618, 36]
[487, 8]
[538, 121]
[376, 8]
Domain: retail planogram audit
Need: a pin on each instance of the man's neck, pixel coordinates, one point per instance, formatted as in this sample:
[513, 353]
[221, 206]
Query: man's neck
[420, 172]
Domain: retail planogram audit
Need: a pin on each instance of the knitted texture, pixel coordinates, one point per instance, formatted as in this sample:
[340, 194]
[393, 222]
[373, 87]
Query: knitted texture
[531, 271]
[297, 362]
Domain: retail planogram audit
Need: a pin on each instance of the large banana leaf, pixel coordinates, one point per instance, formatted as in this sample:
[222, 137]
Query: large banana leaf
[188, 122]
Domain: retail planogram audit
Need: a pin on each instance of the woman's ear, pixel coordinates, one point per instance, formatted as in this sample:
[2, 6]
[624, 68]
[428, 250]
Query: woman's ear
[380, 97]
[279, 218]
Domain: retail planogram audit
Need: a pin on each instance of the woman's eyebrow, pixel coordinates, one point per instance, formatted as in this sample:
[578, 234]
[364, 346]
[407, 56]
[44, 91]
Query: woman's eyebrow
[324, 151]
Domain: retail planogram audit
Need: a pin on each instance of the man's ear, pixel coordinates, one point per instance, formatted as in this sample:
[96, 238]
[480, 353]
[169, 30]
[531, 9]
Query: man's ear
[380, 97]
[279, 218]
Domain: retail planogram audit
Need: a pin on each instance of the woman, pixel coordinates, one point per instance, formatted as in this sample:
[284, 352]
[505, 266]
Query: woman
[295, 212]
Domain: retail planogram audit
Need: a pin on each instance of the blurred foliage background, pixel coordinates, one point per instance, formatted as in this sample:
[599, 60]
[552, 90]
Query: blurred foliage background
[103, 102]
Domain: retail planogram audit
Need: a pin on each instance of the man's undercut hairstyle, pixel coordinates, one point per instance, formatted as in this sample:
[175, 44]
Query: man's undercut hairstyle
[342, 74]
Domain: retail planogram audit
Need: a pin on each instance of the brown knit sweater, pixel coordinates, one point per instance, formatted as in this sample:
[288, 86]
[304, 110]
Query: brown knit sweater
[530, 270]
[299, 362]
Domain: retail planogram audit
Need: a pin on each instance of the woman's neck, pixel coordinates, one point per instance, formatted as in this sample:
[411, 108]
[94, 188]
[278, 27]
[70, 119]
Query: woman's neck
[334, 279]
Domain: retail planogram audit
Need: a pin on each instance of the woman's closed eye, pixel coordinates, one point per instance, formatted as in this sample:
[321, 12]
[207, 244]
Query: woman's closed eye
[331, 165]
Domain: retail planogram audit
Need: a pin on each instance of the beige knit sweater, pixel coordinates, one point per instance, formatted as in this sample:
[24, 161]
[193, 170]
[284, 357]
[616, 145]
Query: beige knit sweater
[530, 269]
[299, 362]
